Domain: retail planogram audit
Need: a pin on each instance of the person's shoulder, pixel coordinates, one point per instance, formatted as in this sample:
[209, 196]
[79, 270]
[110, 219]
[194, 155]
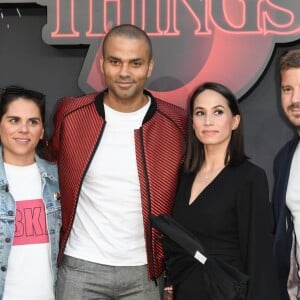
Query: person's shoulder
[288, 146]
[170, 108]
[47, 166]
[173, 114]
[72, 103]
[250, 170]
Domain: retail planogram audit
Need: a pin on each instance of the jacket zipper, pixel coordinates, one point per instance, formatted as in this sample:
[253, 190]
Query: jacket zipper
[151, 264]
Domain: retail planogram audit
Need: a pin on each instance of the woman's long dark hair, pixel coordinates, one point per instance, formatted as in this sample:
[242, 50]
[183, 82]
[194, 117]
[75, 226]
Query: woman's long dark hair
[235, 154]
[10, 94]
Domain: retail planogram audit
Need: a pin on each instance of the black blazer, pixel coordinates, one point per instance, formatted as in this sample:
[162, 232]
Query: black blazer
[283, 225]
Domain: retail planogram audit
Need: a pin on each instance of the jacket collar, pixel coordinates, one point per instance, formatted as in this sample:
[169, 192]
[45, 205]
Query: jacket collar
[41, 165]
[293, 144]
[3, 179]
[99, 102]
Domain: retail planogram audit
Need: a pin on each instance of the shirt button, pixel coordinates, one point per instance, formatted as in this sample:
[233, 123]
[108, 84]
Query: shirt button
[3, 268]
[7, 240]
[10, 212]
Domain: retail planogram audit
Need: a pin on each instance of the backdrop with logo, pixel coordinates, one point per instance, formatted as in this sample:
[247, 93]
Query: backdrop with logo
[53, 46]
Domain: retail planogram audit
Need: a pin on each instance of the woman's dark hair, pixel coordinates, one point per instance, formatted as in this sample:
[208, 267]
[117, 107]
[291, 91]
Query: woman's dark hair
[12, 93]
[235, 154]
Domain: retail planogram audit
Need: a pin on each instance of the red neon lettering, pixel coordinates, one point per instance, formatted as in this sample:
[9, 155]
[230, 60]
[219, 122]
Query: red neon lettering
[65, 21]
[243, 19]
[270, 26]
[248, 17]
[202, 13]
[153, 26]
[171, 19]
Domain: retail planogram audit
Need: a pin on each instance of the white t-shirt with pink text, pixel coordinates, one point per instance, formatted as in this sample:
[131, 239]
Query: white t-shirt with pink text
[29, 265]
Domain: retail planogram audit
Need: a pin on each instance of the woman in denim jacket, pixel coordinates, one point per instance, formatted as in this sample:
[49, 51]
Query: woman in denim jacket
[30, 210]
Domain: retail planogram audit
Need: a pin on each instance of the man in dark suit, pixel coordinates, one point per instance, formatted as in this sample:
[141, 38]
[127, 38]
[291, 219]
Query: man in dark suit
[286, 192]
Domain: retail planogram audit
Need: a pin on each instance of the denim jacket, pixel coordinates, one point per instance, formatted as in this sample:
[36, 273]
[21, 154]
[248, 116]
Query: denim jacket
[51, 198]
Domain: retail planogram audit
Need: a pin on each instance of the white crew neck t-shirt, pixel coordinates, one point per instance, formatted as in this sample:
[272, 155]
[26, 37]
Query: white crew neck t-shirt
[108, 226]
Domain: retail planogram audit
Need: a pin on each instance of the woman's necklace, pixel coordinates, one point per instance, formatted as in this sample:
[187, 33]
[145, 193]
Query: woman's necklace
[206, 177]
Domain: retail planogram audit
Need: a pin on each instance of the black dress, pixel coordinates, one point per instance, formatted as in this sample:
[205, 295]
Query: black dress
[232, 219]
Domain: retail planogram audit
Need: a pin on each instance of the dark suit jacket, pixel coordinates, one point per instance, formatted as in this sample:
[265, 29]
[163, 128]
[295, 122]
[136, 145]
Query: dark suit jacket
[283, 225]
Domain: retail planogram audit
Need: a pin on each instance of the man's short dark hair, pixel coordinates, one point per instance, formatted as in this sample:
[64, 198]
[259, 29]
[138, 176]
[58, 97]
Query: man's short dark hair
[128, 31]
[289, 60]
